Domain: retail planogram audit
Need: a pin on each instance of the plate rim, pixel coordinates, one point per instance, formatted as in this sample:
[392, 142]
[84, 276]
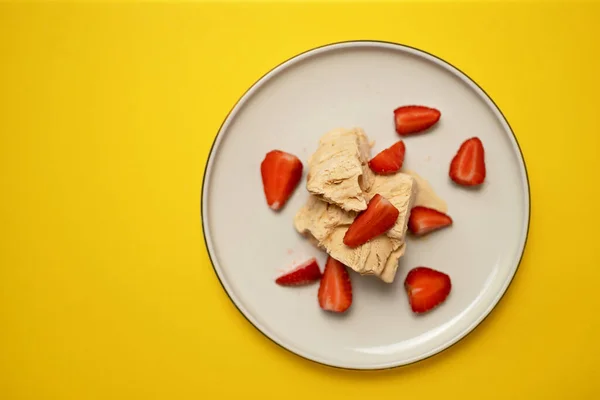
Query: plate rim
[363, 43]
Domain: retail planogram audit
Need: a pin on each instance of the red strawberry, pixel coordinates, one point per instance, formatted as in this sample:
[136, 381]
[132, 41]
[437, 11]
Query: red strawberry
[281, 173]
[468, 165]
[426, 288]
[335, 290]
[379, 216]
[424, 220]
[305, 273]
[414, 119]
[389, 160]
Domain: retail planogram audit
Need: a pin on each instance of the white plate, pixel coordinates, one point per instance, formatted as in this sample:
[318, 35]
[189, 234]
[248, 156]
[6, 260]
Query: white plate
[359, 84]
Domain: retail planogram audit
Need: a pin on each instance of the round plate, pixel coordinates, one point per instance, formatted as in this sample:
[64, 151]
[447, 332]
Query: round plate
[360, 84]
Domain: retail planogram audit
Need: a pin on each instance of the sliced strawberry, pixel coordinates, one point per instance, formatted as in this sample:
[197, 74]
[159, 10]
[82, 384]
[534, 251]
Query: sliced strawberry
[303, 274]
[415, 119]
[423, 220]
[379, 216]
[426, 288]
[335, 290]
[389, 160]
[281, 173]
[468, 165]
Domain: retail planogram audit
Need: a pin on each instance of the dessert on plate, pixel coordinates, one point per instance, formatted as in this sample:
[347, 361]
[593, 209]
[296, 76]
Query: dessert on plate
[360, 209]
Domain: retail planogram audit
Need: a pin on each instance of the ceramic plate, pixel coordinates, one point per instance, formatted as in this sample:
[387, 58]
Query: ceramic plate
[359, 84]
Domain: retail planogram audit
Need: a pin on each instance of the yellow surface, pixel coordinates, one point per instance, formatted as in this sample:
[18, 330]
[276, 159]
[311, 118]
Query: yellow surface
[107, 116]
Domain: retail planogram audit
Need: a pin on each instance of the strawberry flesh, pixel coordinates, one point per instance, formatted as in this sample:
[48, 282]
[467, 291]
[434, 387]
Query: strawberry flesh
[281, 173]
[304, 274]
[468, 165]
[426, 288]
[414, 119]
[424, 220]
[378, 218]
[335, 289]
[389, 160]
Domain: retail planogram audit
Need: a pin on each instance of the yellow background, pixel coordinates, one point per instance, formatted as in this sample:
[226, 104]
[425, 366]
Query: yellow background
[107, 114]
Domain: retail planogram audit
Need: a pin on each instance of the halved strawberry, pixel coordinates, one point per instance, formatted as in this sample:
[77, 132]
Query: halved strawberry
[379, 216]
[389, 160]
[415, 119]
[423, 220]
[426, 288]
[335, 290]
[303, 274]
[281, 173]
[468, 165]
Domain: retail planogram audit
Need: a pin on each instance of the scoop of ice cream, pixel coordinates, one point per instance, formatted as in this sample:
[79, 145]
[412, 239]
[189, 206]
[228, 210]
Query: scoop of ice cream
[326, 224]
[338, 171]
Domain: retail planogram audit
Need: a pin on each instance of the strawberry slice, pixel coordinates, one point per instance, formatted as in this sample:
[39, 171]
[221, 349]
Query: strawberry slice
[389, 160]
[423, 220]
[379, 216]
[415, 119]
[335, 290]
[281, 173]
[468, 165]
[426, 288]
[304, 274]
